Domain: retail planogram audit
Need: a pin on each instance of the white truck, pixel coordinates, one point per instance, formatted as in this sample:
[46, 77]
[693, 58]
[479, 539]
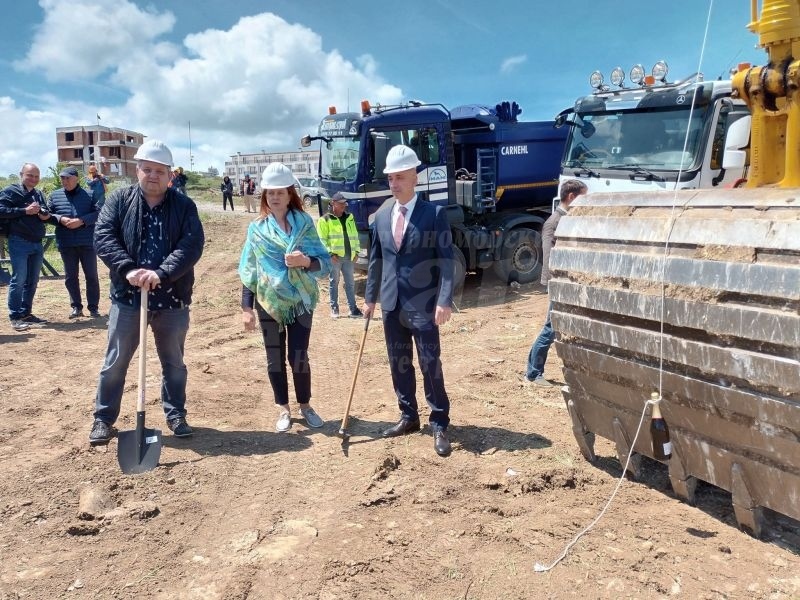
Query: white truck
[635, 138]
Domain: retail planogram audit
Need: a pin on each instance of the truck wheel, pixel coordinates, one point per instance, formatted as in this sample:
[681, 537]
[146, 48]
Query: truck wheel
[520, 256]
[460, 269]
[308, 201]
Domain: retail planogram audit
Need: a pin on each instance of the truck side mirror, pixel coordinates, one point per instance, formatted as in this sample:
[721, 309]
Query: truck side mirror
[738, 138]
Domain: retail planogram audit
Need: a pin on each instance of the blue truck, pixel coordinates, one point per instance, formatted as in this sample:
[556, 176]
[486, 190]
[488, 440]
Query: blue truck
[495, 175]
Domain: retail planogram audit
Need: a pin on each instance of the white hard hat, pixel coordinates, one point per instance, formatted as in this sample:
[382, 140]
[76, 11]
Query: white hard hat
[275, 176]
[400, 158]
[154, 151]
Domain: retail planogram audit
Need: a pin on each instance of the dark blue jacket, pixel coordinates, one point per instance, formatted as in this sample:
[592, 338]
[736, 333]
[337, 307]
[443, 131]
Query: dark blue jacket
[419, 276]
[77, 203]
[13, 201]
[118, 237]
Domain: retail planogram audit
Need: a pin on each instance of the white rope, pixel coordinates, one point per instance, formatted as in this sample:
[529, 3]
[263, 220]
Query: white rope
[538, 567]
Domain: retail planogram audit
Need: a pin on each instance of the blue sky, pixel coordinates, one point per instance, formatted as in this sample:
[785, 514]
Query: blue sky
[253, 75]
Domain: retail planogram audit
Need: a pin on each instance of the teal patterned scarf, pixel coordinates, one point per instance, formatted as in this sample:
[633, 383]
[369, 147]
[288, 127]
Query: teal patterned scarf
[283, 292]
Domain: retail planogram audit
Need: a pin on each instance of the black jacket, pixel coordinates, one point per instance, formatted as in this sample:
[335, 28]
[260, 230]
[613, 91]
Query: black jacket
[118, 237]
[13, 200]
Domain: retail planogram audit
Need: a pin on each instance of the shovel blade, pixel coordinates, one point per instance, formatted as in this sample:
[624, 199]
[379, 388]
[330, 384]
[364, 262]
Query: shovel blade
[138, 451]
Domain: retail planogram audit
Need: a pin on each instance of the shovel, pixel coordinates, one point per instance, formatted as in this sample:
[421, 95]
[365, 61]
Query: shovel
[138, 451]
[343, 428]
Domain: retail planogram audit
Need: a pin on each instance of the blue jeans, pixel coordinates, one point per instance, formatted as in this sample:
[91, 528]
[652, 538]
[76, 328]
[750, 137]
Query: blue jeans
[26, 266]
[75, 257]
[538, 354]
[343, 266]
[169, 330]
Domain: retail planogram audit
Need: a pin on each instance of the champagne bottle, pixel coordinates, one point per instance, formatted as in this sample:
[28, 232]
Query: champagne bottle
[659, 432]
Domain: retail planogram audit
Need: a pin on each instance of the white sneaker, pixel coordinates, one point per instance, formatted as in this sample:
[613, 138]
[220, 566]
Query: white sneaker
[284, 422]
[312, 418]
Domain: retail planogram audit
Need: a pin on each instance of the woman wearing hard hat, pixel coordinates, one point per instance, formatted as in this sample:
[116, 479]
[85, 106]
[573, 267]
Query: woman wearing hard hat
[281, 261]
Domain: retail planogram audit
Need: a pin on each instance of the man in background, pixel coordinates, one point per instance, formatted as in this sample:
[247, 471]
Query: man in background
[537, 356]
[24, 209]
[337, 231]
[75, 212]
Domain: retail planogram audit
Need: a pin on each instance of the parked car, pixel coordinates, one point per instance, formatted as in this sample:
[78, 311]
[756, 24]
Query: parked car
[309, 189]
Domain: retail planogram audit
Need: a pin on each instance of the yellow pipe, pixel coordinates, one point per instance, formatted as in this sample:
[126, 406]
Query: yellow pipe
[773, 95]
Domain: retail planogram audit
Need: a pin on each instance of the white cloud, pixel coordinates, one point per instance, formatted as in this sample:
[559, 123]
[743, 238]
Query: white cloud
[261, 84]
[105, 33]
[29, 136]
[512, 62]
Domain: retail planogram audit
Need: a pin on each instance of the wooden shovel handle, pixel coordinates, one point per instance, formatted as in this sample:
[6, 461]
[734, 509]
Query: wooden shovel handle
[142, 350]
[355, 374]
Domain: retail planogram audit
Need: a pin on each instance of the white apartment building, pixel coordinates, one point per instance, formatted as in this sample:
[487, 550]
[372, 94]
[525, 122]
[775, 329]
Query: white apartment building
[301, 162]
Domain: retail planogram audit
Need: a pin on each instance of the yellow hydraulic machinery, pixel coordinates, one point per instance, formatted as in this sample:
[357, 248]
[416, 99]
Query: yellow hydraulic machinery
[772, 93]
[695, 295]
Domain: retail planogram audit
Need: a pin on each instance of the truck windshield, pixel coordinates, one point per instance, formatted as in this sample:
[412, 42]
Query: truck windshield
[651, 139]
[340, 158]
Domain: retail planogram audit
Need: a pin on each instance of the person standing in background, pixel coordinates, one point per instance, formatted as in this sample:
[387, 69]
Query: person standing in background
[226, 187]
[98, 185]
[337, 232]
[534, 374]
[179, 180]
[74, 213]
[248, 188]
[24, 207]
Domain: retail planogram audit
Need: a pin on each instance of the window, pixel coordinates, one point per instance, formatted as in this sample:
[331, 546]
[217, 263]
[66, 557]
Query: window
[114, 151]
[77, 153]
[69, 136]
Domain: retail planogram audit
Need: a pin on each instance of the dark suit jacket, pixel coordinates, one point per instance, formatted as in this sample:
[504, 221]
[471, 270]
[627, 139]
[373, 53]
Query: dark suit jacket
[419, 276]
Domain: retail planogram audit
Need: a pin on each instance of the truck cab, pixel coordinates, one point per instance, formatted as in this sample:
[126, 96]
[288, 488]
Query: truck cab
[493, 174]
[655, 136]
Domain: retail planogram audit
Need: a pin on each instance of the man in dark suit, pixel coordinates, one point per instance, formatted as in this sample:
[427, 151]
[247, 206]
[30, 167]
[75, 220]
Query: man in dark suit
[411, 268]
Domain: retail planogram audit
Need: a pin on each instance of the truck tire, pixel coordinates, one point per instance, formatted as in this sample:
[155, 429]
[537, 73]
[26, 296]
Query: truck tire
[520, 256]
[460, 269]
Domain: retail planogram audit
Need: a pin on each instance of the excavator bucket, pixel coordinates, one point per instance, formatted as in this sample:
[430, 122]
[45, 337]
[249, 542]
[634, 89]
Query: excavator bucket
[718, 272]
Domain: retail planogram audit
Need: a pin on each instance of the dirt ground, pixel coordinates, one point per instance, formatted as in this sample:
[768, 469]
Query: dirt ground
[241, 511]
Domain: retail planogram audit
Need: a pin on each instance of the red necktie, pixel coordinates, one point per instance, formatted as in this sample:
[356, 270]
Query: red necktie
[398, 227]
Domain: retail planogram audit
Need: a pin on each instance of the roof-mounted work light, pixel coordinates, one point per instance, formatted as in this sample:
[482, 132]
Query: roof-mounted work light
[637, 74]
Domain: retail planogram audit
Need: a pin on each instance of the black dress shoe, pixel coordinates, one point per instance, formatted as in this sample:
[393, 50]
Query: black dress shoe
[441, 444]
[402, 427]
[76, 312]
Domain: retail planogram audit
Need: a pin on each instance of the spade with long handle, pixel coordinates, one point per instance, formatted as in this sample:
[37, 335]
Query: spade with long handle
[139, 450]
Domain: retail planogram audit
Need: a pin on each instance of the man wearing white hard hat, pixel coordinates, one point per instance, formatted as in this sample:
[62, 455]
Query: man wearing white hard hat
[411, 270]
[150, 237]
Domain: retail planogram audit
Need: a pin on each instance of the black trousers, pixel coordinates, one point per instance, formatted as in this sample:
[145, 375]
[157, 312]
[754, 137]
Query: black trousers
[227, 197]
[399, 334]
[294, 338]
[85, 257]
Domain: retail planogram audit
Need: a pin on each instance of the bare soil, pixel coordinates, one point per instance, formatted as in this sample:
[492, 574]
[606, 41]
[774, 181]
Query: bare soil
[241, 511]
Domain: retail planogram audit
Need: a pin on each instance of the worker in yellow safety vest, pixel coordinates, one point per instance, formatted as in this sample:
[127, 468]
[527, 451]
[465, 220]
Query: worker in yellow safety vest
[337, 231]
